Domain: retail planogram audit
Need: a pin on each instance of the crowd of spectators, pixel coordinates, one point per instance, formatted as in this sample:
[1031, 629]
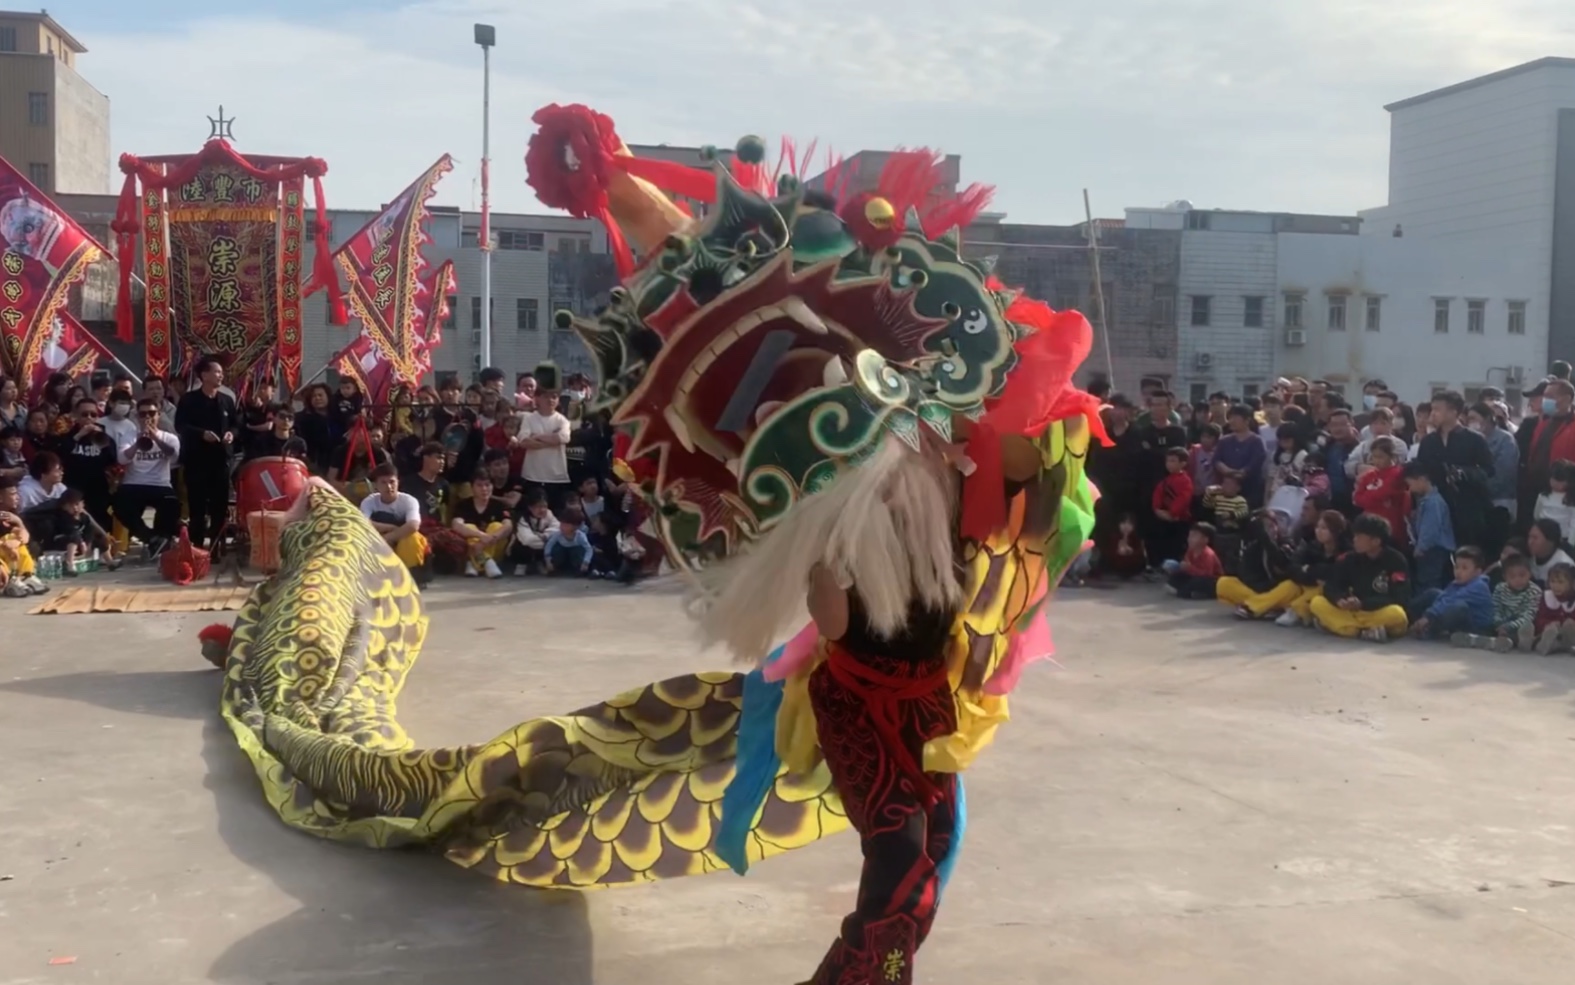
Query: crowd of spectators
[465, 480]
[1443, 519]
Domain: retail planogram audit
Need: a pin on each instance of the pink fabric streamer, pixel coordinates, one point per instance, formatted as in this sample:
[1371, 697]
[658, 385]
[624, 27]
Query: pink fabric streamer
[1030, 645]
[796, 655]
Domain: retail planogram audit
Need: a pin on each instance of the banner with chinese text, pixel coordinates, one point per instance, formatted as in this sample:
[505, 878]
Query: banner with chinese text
[223, 263]
[42, 253]
[364, 361]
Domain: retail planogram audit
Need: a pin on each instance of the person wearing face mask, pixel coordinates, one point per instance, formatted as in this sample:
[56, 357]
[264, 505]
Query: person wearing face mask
[1552, 440]
[119, 425]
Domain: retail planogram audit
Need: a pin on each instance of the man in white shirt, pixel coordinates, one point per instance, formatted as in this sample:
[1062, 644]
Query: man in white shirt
[544, 434]
[1269, 430]
[397, 516]
[147, 458]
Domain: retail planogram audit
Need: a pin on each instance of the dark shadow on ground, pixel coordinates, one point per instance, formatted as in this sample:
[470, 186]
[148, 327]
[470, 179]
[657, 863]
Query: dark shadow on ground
[164, 693]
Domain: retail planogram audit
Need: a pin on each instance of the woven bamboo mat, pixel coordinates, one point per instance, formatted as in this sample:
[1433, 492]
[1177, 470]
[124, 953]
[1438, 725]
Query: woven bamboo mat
[77, 600]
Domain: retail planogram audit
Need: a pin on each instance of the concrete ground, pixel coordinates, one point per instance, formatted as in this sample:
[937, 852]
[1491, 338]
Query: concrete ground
[1190, 801]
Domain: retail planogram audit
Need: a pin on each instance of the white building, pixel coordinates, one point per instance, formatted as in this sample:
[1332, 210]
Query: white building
[1469, 270]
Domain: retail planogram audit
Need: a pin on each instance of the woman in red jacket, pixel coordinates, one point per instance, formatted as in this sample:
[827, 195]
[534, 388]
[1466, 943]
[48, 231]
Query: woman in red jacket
[1381, 491]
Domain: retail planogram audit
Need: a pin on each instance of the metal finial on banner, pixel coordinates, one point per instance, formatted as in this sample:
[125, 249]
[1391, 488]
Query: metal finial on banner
[220, 128]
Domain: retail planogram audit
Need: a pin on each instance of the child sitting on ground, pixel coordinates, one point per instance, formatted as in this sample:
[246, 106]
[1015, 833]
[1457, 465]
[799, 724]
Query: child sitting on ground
[1432, 533]
[1553, 628]
[568, 548]
[528, 554]
[1199, 571]
[1463, 607]
[77, 533]
[1515, 603]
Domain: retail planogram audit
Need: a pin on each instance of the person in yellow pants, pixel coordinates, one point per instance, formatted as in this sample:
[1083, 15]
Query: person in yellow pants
[397, 516]
[18, 575]
[1286, 596]
[1263, 582]
[485, 524]
[1367, 588]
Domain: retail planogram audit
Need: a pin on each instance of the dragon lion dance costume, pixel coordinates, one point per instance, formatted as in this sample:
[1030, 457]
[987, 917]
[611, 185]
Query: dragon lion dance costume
[839, 415]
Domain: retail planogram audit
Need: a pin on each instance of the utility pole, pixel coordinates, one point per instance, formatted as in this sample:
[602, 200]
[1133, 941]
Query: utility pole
[486, 37]
[1099, 290]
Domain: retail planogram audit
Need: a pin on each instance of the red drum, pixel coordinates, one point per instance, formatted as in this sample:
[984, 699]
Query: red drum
[268, 484]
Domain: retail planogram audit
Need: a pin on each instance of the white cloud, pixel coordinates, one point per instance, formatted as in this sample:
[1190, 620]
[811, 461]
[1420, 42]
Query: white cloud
[1231, 103]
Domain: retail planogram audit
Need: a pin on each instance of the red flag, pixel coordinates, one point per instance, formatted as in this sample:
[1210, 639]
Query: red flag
[68, 348]
[42, 253]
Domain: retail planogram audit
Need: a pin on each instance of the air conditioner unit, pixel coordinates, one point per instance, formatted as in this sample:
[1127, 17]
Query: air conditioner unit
[1296, 336]
[1203, 360]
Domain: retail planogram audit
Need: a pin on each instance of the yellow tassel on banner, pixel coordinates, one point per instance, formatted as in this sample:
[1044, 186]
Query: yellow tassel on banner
[224, 214]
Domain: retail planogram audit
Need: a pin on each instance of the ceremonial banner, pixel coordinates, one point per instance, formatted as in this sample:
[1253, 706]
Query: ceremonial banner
[42, 253]
[69, 348]
[293, 226]
[383, 265]
[228, 233]
[365, 362]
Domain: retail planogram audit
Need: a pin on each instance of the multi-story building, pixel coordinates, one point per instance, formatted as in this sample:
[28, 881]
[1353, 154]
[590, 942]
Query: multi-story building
[1226, 318]
[1467, 277]
[54, 126]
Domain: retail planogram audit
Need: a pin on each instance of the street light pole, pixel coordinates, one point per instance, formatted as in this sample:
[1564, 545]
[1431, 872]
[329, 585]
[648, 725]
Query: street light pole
[486, 37]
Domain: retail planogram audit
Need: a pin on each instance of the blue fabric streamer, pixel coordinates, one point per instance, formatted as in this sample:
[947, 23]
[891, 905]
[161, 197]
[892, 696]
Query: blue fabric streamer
[756, 767]
[960, 811]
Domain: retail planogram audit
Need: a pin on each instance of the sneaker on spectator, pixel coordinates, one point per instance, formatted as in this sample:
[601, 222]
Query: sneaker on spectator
[1288, 619]
[1375, 634]
[1478, 641]
[1567, 636]
[16, 589]
[36, 585]
[1526, 637]
[492, 569]
[1548, 641]
[1171, 590]
[471, 571]
[520, 570]
[1242, 612]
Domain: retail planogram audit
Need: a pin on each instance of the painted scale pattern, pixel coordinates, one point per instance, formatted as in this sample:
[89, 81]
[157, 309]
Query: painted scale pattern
[625, 791]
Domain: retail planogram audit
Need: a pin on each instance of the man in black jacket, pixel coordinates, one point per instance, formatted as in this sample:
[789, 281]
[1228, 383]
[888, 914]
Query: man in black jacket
[207, 421]
[88, 453]
[1367, 589]
[1460, 464]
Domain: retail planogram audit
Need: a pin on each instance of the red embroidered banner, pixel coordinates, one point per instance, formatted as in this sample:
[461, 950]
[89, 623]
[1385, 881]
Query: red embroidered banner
[384, 267]
[293, 225]
[42, 253]
[159, 344]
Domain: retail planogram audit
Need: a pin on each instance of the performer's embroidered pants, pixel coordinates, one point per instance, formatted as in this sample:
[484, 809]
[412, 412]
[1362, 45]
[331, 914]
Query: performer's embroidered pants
[873, 716]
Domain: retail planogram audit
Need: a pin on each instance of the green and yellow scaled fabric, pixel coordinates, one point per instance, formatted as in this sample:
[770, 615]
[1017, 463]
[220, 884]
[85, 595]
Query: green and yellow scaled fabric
[751, 358]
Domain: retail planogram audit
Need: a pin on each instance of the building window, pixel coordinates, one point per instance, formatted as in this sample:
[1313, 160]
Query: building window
[38, 108]
[1249, 391]
[7, 39]
[1200, 309]
[1375, 313]
[1441, 315]
[469, 239]
[38, 174]
[1252, 314]
[1197, 393]
[525, 314]
[451, 322]
[521, 239]
[1476, 317]
[1293, 311]
[1337, 312]
[574, 244]
[1517, 318]
[475, 312]
[1197, 220]
[1164, 304]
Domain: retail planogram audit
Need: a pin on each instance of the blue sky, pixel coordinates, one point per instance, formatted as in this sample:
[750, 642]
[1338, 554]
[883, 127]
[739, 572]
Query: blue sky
[1229, 103]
